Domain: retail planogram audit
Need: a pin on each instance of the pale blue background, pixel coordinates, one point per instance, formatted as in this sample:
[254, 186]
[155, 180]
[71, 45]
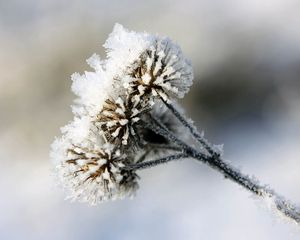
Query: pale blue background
[246, 56]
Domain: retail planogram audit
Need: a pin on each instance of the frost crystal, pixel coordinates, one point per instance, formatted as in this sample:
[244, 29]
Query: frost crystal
[123, 48]
[281, 207]
[92, 88]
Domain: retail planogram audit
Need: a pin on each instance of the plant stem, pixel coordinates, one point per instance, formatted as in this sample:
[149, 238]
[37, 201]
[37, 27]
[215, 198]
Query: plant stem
[153, 163]
[186, 123]
[158, 128]
[164, 147]
[279, 203]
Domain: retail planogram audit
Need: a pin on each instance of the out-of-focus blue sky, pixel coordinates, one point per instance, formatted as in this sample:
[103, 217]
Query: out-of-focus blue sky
[246, 58]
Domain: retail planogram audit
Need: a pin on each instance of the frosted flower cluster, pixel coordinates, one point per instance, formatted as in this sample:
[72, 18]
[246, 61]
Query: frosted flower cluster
[93, 154]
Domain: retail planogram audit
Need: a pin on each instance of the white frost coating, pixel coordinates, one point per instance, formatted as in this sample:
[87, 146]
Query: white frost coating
[78, 130]
[281, 207]
[92, 88]
[123, 48]
[95, 62]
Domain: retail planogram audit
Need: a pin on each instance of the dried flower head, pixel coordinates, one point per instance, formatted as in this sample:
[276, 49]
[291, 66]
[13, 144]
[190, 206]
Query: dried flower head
[95, 174]
[117, 120]
[161, 70]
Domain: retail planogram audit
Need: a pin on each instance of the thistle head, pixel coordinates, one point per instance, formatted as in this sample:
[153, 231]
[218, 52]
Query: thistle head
[93, 174]
[160, 71]
[117, 120]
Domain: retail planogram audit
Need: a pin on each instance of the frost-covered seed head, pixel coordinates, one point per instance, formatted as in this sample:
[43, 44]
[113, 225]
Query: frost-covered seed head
[117, 120]
[161, 70]
[95, 175]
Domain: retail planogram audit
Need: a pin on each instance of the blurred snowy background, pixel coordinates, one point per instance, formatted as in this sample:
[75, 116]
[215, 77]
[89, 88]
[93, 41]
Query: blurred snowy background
[246, 57]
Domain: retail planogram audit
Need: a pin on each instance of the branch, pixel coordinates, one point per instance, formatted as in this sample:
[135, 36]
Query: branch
[153, 163]
[186, 123]
[280, 204]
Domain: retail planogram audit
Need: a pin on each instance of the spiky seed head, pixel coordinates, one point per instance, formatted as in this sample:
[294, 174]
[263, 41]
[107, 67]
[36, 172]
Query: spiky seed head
[96, 175]
[117, 120]
[161, 70]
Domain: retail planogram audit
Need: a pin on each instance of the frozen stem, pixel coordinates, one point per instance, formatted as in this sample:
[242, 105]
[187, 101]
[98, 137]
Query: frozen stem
[153, 163]
[186, 123]
[284, 207]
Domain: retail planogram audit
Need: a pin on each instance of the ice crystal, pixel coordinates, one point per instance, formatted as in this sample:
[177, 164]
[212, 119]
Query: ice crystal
[123, 48]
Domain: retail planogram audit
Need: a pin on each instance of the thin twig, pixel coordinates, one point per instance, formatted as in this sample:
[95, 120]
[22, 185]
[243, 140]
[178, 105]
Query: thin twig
[153, 163]
[191, 128]
[286, 208]
[158, 128]
[164, 147]
[150, 147]
[144, 155]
